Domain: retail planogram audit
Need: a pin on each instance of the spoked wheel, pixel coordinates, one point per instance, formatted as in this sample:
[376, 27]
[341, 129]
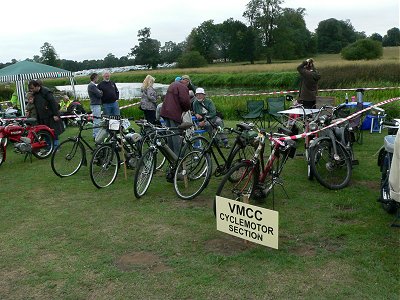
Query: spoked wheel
[67, 158]
[310, 174]
[104, 166]
[2, 153]
[387, 203]
[333, 173]
[160, 159]
[192, 174]
[247, 174]
[240, 154]
[44, 137]
[144, 172]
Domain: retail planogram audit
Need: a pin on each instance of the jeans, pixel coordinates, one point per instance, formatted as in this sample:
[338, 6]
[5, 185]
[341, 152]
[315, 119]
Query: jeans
[96, 111]
[111, 109]
[174, 142]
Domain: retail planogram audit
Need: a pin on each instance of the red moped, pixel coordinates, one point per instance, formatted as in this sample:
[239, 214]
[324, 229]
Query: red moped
[28, 137]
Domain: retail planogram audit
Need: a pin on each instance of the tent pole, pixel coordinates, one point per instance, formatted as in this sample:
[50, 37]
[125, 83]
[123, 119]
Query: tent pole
[73, 86]
[21, 94]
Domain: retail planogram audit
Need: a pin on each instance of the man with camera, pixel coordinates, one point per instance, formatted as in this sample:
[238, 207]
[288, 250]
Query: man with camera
[309, 83]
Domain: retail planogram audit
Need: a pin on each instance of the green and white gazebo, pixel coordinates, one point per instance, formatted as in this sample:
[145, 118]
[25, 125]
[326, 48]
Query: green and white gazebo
[26, 70]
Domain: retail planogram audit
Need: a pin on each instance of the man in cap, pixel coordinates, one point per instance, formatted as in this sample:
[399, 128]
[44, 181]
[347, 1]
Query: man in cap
[206, 112]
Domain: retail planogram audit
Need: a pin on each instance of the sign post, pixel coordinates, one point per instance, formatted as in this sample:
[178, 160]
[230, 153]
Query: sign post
[249, 222]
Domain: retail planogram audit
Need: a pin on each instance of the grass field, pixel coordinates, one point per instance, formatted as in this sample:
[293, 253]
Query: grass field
[64, 239]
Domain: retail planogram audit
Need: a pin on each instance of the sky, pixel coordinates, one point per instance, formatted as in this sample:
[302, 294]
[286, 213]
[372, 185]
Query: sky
[80, 30]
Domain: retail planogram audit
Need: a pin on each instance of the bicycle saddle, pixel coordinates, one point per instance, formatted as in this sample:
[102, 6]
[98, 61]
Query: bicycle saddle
[30, 121]
[243, 126]
[185, 125]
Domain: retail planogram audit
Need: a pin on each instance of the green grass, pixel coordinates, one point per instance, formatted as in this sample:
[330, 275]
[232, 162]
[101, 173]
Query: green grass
[63, 238]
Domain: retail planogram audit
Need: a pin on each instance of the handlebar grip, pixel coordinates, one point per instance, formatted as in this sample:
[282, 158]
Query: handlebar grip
[389, 123]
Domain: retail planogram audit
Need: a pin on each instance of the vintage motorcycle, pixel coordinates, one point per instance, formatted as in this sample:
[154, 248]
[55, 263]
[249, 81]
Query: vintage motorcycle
[28, 137]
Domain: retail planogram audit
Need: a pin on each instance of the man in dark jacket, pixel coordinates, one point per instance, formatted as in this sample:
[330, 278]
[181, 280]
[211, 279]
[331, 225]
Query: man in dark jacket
[176, 102]
[95, 102]
[46, 108]
[309, 83]
[110, 96]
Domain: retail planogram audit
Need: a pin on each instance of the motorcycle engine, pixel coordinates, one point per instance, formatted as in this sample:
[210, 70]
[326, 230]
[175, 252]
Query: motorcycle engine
[24, 146]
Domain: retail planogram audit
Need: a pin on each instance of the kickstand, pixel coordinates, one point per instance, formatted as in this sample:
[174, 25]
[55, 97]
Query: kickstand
[279, 182]
[26, 156]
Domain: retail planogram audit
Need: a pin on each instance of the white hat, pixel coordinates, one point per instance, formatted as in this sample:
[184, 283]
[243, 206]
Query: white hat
[200, 91]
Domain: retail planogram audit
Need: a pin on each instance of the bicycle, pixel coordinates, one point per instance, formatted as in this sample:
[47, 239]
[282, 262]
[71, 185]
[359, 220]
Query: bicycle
[147, 163]
[106, 158]
[191, 166]
[331, 154]
[70, 155]
[255, 179]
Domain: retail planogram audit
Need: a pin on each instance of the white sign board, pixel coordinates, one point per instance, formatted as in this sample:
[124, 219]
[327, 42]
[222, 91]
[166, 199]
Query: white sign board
[246, 221]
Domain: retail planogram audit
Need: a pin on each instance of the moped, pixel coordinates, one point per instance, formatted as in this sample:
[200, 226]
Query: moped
[28, 137]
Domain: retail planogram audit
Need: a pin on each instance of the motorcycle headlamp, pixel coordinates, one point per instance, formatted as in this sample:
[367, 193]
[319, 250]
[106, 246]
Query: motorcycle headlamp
[313, 126]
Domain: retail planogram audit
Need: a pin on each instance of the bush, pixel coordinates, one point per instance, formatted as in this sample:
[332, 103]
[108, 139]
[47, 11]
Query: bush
[363, 49]
[192, 59]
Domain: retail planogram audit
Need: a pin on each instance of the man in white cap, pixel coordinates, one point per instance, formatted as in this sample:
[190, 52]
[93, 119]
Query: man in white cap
[206, 112]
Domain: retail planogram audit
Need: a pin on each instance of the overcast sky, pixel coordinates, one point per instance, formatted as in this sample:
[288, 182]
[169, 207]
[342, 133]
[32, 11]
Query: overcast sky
[80, 30]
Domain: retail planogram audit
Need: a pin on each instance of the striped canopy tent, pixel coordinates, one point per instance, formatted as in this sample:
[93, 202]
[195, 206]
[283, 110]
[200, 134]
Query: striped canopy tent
[26, 70]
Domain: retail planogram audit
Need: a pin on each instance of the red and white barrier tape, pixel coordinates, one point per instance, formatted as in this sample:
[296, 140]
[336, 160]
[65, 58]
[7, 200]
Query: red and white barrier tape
[296, 91]
[304, 134]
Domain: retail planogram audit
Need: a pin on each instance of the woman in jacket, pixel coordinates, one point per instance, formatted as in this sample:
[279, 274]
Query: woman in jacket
[149, 98]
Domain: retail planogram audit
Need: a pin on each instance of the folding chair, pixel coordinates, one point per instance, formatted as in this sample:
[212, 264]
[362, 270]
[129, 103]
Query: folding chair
[355, 125]
[255, 112]
[275, 105]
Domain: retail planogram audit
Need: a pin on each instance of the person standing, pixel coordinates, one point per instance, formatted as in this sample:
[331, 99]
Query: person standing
[95, 102]
[46, 108]
[175, 103]
[110, 96]
[309, 83]
[148, 102]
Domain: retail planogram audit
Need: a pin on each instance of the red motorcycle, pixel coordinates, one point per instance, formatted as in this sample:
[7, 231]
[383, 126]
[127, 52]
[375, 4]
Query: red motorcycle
[28, 138]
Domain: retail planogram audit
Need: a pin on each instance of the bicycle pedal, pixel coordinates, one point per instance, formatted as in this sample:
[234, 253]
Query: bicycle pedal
[355, 162]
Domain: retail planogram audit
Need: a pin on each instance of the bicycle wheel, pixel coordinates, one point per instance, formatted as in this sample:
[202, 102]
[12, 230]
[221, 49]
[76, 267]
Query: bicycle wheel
[332, 173]
[67, 158]
[239, 154]
[2, 154]
[43, 152]
[160, 159]
[192, 174]
[197, 142]
[387, 203]
[310, 175]
[144, 173]
[247, 174]
[104, 166]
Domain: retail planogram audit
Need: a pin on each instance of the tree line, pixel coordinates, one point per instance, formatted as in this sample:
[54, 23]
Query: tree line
[272, 33]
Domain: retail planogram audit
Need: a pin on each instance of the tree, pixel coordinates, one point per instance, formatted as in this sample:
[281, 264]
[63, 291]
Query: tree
[262, 16]
[191, 59]
[170, 52]
[235, 41]
[148, 51]
[376, 37]
[203, 39]
[363, 49]
[49, 55]
[333, 35]
[292, 38]
[391, 38]
[110, 61]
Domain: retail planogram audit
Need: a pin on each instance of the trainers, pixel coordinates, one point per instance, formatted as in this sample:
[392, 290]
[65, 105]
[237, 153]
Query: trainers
[227, 146]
